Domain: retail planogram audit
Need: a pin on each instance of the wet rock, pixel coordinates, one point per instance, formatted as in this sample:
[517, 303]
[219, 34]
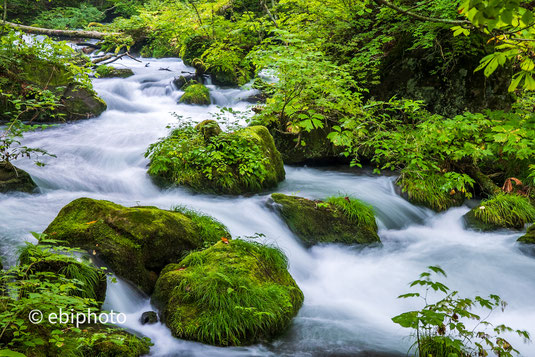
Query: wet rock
[15, 179]
[149, 318]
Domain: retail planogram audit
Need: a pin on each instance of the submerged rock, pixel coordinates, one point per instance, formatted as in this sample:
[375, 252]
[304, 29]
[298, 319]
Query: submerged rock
[529, 237]
[196, 94]
[232, 294]
[340, 220]
[15, 179]
[208, 160]
[149, 318]
[137, 242]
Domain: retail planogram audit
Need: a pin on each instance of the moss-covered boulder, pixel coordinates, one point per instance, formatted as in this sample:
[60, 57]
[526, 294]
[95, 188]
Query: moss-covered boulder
[238, 162]
[78, 101]
[501, 211]
[137, 242]
[428, 192]
[196, 94]
[104, 71]
[529, 237]
[338, 220]
[15, 179]
[92, 280]
[232, 294]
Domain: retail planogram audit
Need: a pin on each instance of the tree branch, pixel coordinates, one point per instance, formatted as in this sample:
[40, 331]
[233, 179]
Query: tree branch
[61, 33]
[421, 17]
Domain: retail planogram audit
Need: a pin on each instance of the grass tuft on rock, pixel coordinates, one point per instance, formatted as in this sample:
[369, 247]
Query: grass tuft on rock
[504, 210]
[356, 210]
[232, 294]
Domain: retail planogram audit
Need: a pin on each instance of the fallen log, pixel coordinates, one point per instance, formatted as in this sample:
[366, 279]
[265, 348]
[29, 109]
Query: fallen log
[61, 33]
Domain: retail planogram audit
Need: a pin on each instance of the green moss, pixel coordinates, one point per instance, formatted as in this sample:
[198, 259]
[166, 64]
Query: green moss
[208, 128]
[92, 280]
[104, 71]
[335, 221]
[15, 179]
[502, 211]
[196, 94]
[135, 242]
[428, 192]
[529, 237]
[211, 229]
[230, 163]
[230, 294]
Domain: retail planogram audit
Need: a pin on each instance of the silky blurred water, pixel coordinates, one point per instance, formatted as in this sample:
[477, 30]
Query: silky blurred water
[350, 292]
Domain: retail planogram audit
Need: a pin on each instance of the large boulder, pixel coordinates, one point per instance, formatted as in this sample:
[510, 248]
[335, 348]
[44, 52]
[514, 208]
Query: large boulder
[232, 294]
[339, 220]
[529, 237]
[208, 160]
[15, 179]
[501, 211]
[137, 242]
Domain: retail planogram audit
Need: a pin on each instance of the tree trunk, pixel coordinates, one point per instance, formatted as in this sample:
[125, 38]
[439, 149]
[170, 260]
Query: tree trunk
[61, 33]
[486, 184]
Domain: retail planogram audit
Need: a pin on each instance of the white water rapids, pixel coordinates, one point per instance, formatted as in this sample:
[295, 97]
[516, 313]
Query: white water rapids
[350, 293]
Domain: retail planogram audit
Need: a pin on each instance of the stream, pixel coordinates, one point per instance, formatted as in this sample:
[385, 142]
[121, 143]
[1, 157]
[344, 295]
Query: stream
[350, 292]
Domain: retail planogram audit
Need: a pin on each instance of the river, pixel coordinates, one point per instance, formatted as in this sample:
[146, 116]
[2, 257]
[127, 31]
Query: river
[350, 292]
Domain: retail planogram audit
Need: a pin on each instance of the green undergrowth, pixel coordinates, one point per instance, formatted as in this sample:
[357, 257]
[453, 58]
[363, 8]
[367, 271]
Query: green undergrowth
[234, 293]
[506, 210]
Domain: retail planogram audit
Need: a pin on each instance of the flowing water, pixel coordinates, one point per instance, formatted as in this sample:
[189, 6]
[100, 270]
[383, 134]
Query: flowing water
[350, 292]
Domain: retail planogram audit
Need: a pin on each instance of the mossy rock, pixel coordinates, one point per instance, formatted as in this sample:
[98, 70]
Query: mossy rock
[501, 211]
[135, 242]
[196, 94]
[104, 71]
[234, 293]
[208, 128]
[79, 102]
[529, 237]
[428, 192]
[15, 179]
[93, 279]
[340, 220]
[244, 161]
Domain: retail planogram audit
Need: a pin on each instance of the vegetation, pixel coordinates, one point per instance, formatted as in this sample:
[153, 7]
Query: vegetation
[242, 161]
[31, 285]
[195, 94]
[442, 329]
[504, 210]
[233, 293]
[344, 220]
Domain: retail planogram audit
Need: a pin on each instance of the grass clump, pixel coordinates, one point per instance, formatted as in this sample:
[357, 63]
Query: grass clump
[356, 210]
[236, 162]
[430, 191]
[231, 294]
[211, 229]
[505, 210]
[196, 94]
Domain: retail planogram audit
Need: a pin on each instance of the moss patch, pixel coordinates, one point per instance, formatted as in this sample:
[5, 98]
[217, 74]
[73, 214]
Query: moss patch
[230, 163]
[104, 71]
[502, 211]
[196, 94]
[15, 179]
[339, 220]
[135, 242]
[529, 237]
[231, 294]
